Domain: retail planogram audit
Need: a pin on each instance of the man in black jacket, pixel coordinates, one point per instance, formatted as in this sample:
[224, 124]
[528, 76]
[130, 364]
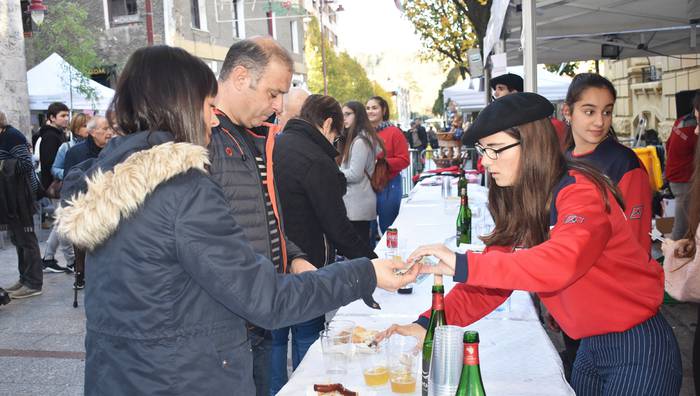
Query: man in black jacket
[254, 77]
[52, 135]
[18, 186]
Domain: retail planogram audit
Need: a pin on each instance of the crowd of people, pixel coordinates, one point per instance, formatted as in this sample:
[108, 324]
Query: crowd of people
[211, 218]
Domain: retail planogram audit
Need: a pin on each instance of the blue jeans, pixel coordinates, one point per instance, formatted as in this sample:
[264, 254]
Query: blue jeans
[261, 345]
[303, 335]
[388, 204]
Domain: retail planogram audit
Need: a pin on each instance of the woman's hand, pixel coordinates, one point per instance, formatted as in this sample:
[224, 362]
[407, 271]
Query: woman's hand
[387, 278]
[447, 258]
[413, 329]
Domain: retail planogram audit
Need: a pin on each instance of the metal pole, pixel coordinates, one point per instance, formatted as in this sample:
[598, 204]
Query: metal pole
[149, 23]
[323, 46]
[529, 45]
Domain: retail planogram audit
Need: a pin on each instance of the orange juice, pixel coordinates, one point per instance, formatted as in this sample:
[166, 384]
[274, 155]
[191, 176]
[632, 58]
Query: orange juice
[402, 382]
[376, 376]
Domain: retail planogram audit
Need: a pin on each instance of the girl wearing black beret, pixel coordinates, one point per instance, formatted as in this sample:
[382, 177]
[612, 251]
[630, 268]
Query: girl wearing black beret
[561, 233]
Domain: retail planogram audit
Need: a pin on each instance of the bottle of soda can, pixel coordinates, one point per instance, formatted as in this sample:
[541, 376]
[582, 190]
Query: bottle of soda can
[392, 238]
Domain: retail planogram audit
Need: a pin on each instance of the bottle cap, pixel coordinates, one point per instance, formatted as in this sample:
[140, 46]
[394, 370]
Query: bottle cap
[471, 337]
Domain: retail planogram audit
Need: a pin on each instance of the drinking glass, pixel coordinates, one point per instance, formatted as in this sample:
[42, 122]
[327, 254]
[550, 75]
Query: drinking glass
[402, 355]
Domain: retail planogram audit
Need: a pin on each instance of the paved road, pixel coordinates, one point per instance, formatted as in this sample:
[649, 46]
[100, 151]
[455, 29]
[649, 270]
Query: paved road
[41, 338]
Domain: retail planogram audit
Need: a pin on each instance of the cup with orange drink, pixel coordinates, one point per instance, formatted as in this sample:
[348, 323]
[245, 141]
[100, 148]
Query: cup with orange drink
[403, 357]
[375, 367]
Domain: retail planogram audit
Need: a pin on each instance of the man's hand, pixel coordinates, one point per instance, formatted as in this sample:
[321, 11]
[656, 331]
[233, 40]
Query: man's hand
[300, 265]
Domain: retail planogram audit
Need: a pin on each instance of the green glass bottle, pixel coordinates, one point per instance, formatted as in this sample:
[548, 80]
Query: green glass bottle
[470, 383]
[437, 318]
[461, 182]
[464, 220]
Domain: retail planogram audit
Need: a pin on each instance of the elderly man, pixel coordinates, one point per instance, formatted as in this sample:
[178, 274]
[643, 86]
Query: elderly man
[293, 100]
[254, 78]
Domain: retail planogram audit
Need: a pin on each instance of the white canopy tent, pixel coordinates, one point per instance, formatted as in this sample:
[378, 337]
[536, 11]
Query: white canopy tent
[551, 86]
[55, 80]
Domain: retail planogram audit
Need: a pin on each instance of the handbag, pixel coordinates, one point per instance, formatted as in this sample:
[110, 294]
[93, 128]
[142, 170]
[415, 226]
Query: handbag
[682, 276]
[380, 177]
[54, 190]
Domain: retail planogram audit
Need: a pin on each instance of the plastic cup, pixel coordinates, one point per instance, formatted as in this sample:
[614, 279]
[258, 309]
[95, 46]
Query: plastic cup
[375, 366]
[446, 362]
[402, 355]
[336, 353]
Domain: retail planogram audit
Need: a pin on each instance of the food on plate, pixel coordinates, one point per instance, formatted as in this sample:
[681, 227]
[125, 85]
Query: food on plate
[360, 335]
[333, 390]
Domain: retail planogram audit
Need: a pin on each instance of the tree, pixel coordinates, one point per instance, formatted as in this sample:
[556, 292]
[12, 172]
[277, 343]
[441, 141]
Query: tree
[565, 68]
[439, 105]
[445, 32]
[346, 78]
[65, 32]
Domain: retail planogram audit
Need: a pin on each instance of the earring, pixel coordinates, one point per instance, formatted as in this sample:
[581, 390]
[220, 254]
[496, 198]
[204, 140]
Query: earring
[567, 122]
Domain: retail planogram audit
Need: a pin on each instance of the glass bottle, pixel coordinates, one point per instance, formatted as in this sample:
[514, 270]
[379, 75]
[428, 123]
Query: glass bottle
[464, 220]
[470, 383]
[437, 318]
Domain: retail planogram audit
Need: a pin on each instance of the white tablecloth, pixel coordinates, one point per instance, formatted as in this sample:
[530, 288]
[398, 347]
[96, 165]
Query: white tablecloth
[517, 357]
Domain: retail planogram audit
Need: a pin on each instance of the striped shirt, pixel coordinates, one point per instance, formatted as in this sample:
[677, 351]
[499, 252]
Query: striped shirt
[13, 145]
[275, 244]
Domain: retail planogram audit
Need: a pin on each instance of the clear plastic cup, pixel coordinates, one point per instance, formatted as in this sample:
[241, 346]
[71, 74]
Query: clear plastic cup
[403, 356]
[336, 349]
[375, 365]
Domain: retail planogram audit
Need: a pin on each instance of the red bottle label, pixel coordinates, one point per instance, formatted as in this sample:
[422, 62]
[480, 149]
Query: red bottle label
[438, 301]
[392, 238]
[471, 354]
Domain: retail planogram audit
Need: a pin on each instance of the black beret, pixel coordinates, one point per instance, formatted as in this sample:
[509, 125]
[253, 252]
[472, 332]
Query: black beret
[507, 112]
[510, 80]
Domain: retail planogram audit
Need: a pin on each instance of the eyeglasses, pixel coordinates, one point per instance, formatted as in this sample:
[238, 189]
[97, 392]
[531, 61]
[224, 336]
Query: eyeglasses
[491, 152]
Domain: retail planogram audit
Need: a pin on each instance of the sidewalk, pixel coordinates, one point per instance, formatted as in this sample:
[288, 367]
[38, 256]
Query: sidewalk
[41, 338]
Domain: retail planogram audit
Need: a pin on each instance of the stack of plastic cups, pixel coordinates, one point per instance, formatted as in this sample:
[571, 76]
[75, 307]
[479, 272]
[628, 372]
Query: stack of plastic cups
[447, 360]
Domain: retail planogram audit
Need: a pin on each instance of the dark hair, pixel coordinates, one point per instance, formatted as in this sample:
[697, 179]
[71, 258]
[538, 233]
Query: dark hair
[688, 249]
[521, 212]
[254, 55]
[580, 83]
[163, 89]
[54, 109]
[317, 108]
[361, 125]
[383, 104]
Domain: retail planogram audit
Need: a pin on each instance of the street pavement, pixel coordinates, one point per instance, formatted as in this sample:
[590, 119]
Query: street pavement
[42, 347]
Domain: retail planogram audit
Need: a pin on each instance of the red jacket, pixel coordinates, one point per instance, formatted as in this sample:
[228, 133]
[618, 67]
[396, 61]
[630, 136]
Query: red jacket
[590, 274]
[623, 167]
[680, 149]
[396, 148]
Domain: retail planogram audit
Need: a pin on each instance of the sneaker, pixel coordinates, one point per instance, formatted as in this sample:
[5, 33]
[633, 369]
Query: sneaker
[14, 287]
[24, 292]
[79, 281]
[52, 266]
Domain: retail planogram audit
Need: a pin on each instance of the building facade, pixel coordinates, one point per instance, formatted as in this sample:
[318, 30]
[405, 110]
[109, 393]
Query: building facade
[205, 28]
[646, 89]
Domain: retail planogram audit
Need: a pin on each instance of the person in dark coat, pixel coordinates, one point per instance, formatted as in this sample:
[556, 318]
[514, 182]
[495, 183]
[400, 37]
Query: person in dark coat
[99, 134]
[171, 278]
[52, 136]
[311, 191]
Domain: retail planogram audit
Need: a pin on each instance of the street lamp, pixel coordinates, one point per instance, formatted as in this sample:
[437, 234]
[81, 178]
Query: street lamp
[37, 10]
[340, 8]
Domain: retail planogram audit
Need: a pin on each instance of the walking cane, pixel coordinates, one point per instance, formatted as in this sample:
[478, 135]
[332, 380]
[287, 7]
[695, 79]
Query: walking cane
[79, 273]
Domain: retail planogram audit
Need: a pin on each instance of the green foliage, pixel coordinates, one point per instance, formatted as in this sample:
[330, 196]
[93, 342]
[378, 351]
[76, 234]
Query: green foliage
[346, 78]
[65, 32]
[569, 69]
[439, 105]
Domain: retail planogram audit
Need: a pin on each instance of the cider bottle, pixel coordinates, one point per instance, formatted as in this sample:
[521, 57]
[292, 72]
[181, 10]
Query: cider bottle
[470, 383]
[437, 318]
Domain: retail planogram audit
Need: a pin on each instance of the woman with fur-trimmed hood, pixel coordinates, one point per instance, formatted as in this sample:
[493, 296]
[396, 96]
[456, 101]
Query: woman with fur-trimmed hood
[171, 279]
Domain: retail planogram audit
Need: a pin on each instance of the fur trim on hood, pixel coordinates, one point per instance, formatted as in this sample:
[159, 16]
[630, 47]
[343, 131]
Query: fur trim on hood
[91, 217]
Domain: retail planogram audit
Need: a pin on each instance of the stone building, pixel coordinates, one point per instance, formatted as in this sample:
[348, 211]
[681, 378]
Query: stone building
[646, 89]
[205, 28]
[14, 101]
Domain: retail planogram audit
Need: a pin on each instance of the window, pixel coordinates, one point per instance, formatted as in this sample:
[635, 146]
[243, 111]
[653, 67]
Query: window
[122, 11]
[199, 14]
[271, 28]
[293, 25]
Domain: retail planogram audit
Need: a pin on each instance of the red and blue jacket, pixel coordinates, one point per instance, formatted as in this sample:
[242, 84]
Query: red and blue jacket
[623, 167]
[591, 274]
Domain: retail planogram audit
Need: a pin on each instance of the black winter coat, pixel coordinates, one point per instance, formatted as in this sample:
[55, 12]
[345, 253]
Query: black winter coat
[311, 191]
[172, 280]
[51, 139]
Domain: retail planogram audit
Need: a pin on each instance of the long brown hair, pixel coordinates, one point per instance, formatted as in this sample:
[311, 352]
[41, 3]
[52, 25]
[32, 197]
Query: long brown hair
[521, 212]
[361, 128]
[688, 248]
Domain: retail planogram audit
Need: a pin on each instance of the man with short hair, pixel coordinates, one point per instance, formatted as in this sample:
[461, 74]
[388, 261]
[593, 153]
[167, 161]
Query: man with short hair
[506, 84]
[52, 135]
[255, 76]
[18, 187]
